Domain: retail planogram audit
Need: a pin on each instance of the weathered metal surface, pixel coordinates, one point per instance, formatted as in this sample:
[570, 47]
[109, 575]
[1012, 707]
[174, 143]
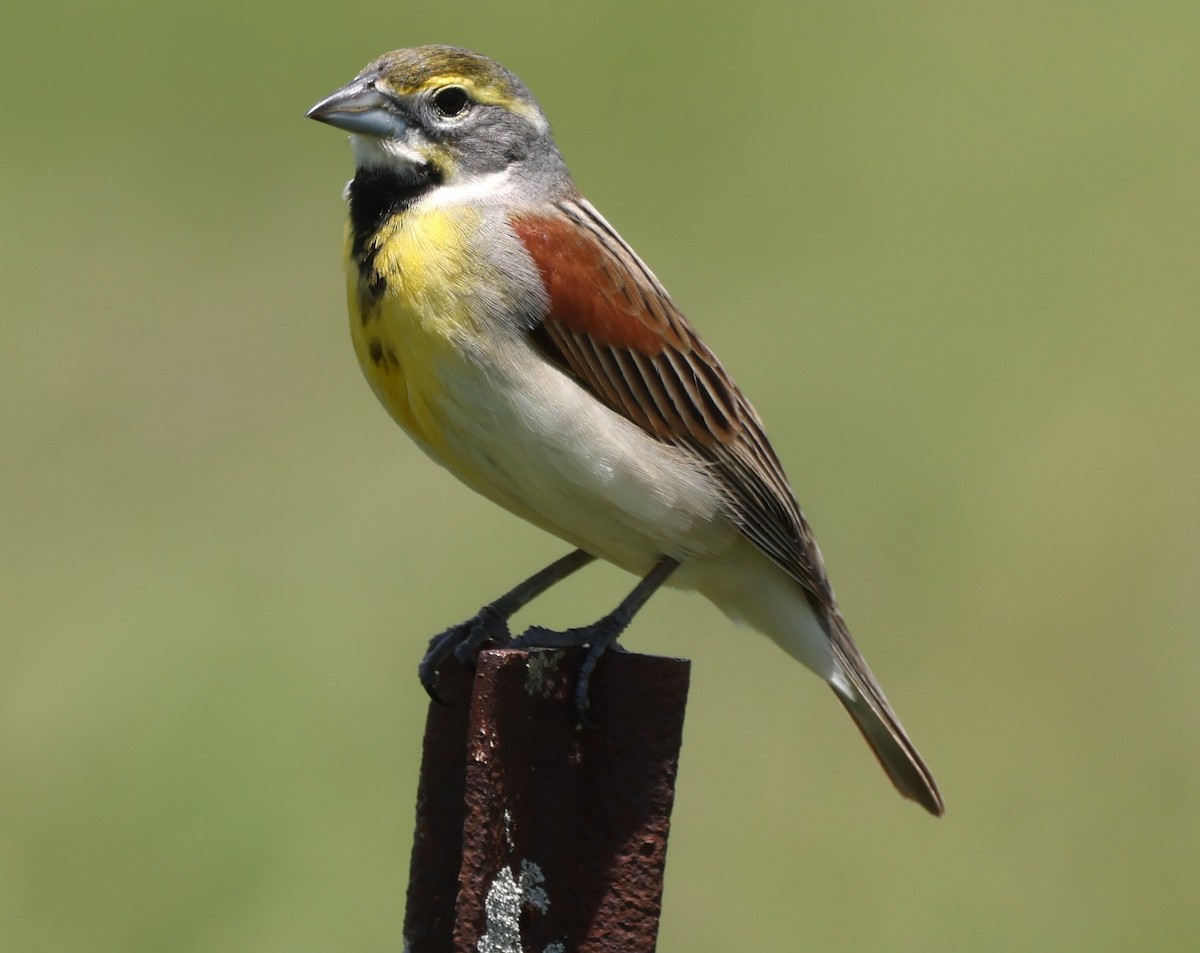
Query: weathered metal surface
[562, 829]
[437, 839]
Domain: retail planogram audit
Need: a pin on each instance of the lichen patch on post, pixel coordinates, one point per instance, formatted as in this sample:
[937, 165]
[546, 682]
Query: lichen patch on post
[539, 670]
[502, 907]
[503, 910]
[531, 886]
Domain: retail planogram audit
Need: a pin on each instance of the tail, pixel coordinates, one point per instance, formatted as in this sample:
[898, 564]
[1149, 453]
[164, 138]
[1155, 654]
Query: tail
[895, 752]
[862, 697]
[750, 587]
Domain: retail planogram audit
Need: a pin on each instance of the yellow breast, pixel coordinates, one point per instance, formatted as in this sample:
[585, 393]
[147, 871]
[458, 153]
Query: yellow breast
[427, 308]
[411, 314]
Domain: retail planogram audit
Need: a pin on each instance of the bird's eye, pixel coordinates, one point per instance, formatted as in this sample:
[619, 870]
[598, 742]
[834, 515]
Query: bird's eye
[451, 102]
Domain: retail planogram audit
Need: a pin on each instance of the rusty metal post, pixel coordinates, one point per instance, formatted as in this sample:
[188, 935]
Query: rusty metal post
[533, 832]
[437, 840]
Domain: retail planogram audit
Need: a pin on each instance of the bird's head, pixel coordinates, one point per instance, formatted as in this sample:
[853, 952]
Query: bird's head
[444, 114]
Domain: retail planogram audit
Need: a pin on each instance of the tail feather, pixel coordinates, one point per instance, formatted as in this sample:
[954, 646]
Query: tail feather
[862, 696]
[863, 699]
[894, 751]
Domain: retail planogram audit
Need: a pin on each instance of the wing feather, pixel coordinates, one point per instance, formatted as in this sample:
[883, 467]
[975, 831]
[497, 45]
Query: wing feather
[612, 327]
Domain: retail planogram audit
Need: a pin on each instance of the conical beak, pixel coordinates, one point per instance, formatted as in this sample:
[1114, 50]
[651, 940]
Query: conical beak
[360, 107]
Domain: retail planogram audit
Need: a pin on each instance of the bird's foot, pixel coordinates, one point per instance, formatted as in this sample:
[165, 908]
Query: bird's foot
[462, 642]
[597, 638]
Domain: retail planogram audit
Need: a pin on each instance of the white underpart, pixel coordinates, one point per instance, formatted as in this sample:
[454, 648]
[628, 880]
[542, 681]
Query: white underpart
[534, 440]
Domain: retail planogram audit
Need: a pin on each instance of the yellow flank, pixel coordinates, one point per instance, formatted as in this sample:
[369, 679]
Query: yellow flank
[408, 318]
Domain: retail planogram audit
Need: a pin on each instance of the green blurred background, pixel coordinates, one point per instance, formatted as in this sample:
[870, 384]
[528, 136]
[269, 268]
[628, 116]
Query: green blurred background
[950, 250]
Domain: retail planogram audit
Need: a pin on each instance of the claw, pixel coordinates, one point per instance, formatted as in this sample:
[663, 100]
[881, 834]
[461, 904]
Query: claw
[440, 648]
[597, 638]
[490, 625]
[461, 642]
[434, 696]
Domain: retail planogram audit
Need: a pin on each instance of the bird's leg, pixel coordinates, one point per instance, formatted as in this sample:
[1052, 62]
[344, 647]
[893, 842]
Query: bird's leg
[600, 635]
[490, 624]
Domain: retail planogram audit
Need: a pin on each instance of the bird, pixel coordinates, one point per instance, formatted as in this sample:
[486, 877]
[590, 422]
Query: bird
[523, 345]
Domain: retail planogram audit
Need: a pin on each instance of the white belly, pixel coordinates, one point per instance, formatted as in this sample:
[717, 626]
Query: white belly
[528, 437]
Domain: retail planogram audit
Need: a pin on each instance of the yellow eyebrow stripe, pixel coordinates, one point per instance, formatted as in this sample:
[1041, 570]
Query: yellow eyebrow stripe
[490, 94]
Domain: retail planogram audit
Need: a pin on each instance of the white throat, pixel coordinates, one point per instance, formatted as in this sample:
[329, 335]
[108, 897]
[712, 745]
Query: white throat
[390, 154]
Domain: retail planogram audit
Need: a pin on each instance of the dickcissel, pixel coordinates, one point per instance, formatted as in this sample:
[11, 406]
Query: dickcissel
[524, 346]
